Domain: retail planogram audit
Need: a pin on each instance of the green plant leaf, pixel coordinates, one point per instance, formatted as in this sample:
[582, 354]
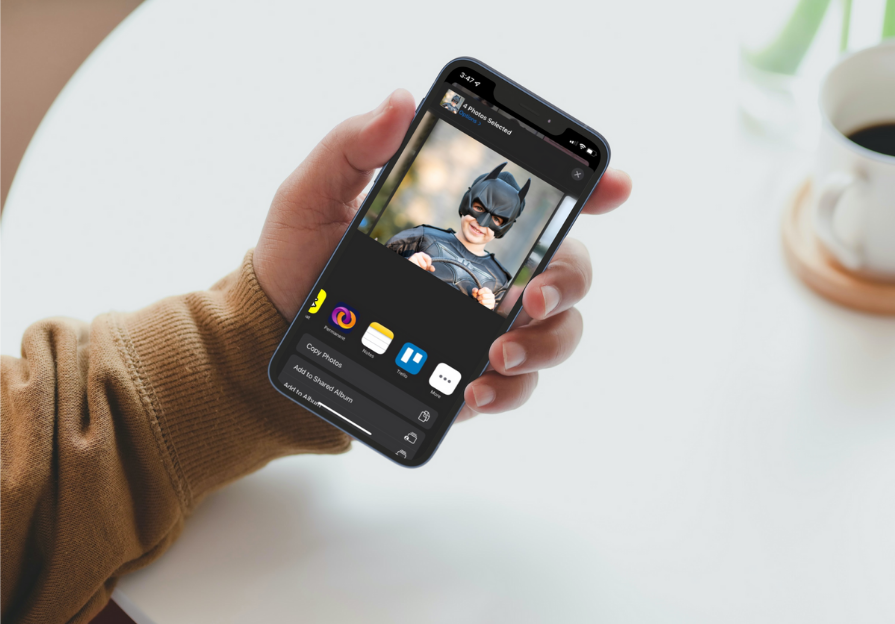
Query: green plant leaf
[846, 25]
[786, 52]
[889, 20]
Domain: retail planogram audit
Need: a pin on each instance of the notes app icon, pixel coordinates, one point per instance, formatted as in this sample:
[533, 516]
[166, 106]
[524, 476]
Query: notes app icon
[377, 338]
[321, 297]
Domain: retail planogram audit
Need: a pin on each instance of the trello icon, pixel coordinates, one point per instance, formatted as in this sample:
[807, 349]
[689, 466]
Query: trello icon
[411, 358]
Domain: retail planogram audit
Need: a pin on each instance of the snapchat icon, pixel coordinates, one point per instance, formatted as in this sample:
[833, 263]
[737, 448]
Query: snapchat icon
[321, 297]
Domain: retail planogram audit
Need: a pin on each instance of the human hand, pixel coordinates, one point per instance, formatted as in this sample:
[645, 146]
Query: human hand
[549, 327]
[423, 261]
[484, 296]
[314, 205]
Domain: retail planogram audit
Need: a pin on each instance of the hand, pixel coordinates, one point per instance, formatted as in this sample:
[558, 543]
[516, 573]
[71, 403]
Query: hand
[423, 261]
[485, 297]
[549, 328]
[315, 204]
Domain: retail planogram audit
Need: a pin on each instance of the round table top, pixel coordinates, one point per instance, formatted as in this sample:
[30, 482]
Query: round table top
[721, 447]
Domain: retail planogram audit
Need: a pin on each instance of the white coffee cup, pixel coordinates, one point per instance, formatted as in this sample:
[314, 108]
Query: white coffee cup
[855, 210]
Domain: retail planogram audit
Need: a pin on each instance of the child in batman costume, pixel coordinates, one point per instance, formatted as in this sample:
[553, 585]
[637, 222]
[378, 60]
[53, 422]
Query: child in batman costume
[488, 210]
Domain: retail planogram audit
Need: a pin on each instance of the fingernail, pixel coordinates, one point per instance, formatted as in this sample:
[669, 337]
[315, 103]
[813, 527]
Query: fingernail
[551, 298]
[385, 104]
[513, 355]
[483, 394]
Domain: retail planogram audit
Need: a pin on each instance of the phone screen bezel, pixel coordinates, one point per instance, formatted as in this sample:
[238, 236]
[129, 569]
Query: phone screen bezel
[515, 93]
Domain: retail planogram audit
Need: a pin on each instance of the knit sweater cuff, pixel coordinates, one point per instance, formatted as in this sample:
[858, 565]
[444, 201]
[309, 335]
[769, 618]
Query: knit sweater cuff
[199, 362]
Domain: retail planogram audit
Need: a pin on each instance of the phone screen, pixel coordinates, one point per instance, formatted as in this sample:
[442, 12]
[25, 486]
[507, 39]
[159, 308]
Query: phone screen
[433, 267]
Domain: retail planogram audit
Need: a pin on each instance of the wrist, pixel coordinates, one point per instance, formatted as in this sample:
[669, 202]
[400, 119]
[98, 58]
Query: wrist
[201, 362]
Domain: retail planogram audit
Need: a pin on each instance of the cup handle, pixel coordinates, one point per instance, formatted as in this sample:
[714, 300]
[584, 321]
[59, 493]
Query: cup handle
[827, 202]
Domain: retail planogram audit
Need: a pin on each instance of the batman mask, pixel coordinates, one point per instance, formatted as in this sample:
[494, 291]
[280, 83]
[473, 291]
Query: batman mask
[500, 196]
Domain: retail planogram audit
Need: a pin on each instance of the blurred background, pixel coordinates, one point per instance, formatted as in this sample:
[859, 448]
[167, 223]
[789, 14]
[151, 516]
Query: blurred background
[42, 43]
[786, 47]
[438, 166]
[721, 447]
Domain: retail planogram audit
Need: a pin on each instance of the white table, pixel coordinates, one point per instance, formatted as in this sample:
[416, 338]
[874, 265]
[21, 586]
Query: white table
[721, 448]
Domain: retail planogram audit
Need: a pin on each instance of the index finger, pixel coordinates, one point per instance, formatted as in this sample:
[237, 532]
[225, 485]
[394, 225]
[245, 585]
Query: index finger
[563, 284]
[612, 191]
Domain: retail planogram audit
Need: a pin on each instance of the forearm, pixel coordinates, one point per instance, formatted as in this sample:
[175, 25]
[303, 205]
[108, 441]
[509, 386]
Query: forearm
[112, 433]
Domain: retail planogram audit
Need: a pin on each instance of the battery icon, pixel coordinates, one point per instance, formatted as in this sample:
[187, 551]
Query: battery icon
[590, 151]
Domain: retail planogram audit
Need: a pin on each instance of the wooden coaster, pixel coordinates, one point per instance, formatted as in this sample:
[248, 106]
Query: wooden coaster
[816, 267]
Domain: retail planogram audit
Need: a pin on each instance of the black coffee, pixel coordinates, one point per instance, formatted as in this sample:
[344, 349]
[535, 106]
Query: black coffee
[879, 138]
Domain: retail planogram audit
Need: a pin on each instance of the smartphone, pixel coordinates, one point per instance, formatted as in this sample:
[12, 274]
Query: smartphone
[485, 186]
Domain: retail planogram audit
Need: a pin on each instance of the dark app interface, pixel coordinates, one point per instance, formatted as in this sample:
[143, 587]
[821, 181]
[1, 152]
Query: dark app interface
[433, 270]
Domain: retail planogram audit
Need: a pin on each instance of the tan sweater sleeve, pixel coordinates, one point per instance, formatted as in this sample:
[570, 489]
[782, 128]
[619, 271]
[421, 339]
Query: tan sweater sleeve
[113, 432]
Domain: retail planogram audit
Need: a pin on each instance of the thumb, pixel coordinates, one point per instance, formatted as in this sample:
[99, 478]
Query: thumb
[341, 165]
[312, 208]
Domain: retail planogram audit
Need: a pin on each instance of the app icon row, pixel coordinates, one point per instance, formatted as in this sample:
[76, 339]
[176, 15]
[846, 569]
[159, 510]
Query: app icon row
[377, 338]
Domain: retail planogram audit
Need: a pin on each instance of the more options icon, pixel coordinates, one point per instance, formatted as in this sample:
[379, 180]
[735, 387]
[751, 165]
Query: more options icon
[444, 379]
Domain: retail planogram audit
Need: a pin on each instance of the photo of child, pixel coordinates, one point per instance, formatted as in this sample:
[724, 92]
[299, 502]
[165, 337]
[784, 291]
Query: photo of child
[464, 213]
[487, 211]
[452, 101]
